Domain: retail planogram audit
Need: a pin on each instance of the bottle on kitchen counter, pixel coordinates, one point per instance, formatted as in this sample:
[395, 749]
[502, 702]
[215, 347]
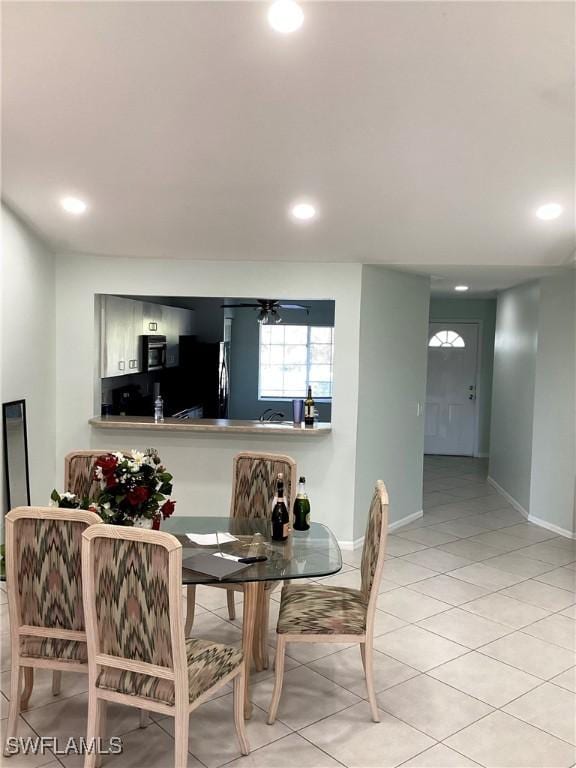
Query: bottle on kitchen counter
[158, 404]
[309, 409]
[158, 409]
[301, 508]
[280, 516]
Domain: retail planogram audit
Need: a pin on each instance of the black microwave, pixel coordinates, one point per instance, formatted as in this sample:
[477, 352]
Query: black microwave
[153, 353]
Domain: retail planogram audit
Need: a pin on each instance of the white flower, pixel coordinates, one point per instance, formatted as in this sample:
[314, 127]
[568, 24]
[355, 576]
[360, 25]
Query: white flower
[69, 496]
[138, 458]
[119, 456]
[98, 473]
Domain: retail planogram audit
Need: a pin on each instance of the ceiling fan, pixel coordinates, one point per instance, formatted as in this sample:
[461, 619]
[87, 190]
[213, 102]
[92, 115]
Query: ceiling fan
[268, 309]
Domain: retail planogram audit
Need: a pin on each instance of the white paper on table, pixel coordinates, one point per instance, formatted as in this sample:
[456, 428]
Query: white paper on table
[209, 539]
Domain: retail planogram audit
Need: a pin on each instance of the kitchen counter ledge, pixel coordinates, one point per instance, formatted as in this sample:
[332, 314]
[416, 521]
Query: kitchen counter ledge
[211, 425]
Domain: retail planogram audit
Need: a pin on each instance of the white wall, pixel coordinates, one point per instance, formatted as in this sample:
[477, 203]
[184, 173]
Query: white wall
[515, 350]
[201, 464]
[28, 344]
[392, 382]
[554, 437]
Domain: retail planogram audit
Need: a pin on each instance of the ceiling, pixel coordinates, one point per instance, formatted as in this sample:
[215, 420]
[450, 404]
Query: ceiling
[427, 133]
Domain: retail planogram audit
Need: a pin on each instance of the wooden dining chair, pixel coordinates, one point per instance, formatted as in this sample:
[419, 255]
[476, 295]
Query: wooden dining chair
[43, 579]
[79, 472]
[253, 489]
[324, 614]
[137, 653]
[78, 479]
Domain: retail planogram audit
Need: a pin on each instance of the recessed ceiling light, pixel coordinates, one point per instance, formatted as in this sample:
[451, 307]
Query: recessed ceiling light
[461, 288]
[303, 211]
[73, 205]
[549, 211]
[285, 16]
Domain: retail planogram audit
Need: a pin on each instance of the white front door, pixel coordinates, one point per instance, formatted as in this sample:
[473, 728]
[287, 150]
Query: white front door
[451, 389]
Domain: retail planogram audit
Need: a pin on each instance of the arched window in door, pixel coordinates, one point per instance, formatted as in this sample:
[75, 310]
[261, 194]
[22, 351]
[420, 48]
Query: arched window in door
[446, 339]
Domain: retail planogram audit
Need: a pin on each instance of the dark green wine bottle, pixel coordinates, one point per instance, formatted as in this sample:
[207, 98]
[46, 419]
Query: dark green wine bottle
[301, 508]
[280, 516]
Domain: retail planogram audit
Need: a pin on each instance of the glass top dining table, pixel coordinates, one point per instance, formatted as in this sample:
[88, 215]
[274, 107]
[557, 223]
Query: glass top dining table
[305, 554]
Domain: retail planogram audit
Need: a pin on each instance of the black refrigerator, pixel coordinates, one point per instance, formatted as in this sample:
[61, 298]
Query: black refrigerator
[204, 376]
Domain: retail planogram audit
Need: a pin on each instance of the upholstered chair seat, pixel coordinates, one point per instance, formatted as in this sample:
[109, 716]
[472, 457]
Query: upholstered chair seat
[208, 663]
[314, 609]
[50, 648]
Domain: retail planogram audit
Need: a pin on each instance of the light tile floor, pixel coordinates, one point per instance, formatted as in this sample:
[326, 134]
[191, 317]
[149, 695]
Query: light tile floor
[474, 660]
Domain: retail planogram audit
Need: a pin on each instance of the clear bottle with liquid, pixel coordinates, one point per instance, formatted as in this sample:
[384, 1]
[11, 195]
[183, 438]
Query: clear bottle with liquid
[158, 409]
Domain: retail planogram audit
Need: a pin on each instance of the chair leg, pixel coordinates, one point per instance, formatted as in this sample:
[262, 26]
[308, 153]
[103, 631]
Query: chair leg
[239, 711]
[28, 686]
[369, 670]
[101, 727]
[144, 718]
[258, 628]
[363, 655]
[14, 709]
[264, 630]
[190, 606]
[56, 682]
[94, 729]
[181, 725]
[231, 605]
[279, 677]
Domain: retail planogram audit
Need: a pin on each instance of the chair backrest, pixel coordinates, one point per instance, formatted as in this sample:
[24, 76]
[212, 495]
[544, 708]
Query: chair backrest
[375, 542]
[43, 570]
[254, 483]
[79, 473]
[132, 580]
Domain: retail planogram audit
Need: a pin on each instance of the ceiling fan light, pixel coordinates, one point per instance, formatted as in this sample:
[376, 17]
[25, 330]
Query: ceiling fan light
[263, 317]
[275, 317]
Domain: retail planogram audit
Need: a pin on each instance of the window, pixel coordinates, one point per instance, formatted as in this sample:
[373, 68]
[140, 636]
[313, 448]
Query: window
[446, 339]
[294, 357]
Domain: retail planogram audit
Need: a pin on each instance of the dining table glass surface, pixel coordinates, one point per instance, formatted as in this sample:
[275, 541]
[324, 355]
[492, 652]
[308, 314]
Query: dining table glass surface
[305, 554]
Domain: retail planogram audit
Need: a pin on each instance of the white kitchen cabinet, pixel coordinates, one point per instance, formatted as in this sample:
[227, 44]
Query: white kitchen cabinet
[153, 322]
[121, 327]
[124, 321]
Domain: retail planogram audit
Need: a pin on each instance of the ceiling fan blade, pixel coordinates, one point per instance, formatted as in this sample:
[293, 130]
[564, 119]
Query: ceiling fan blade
[294, 306]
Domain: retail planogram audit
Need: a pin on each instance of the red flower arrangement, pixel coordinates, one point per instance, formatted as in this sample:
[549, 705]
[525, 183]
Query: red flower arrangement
[134, 488]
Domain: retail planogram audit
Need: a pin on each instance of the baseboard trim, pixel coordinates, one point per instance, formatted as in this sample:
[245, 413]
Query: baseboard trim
[509, 498]
[405, 521]
[357, 543]
[551, 527]
[350, 546]
[532, 518]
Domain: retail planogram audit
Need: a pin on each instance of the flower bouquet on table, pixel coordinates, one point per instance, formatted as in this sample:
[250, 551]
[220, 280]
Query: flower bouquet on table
[134, 490]
[67, 500]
